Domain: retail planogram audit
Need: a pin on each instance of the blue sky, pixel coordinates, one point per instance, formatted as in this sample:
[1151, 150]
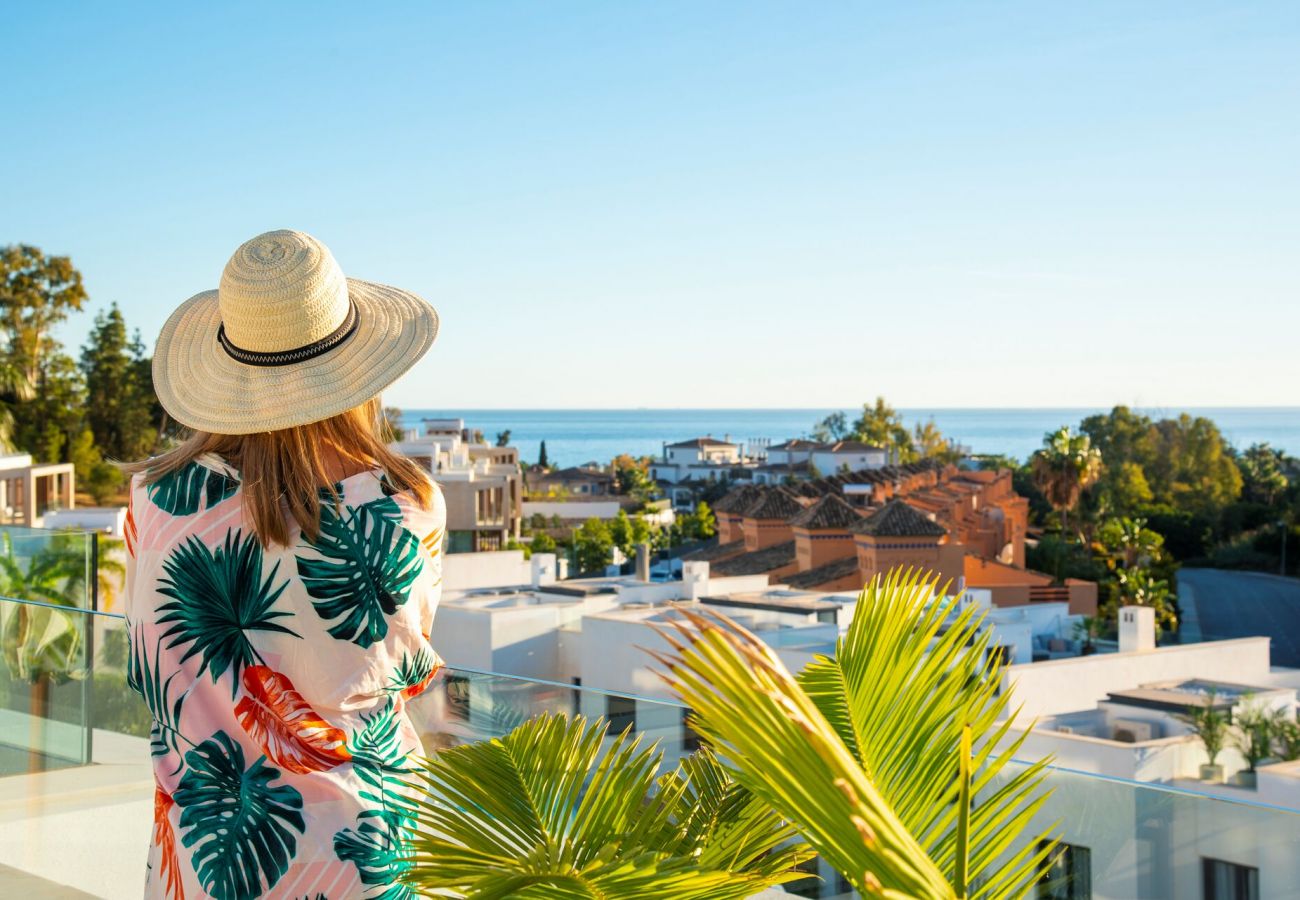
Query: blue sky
[704, 204]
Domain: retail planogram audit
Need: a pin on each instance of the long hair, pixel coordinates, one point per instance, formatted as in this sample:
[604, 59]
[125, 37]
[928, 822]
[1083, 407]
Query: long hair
[284, 472]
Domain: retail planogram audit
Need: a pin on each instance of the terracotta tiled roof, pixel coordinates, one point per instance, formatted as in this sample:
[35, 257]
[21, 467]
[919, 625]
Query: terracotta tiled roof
[849, 447]
[897, 519]
[797, 444]
[715, 551]
[758, 562]
[831, 511]
[736, 499]
[775, 503]
[823, 574]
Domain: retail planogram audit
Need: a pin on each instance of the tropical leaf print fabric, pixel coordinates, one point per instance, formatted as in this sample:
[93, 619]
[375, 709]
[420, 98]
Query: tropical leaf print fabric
[277, 679]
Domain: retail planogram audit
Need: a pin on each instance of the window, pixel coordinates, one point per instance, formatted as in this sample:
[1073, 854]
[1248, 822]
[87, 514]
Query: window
[1229, 881]
[620, 712]
[1069, 877]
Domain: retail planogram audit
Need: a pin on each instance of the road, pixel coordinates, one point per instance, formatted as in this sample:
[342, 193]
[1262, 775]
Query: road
[1246, 604]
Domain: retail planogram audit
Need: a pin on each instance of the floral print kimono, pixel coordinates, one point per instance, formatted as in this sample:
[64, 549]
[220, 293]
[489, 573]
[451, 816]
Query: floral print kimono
[277, 680]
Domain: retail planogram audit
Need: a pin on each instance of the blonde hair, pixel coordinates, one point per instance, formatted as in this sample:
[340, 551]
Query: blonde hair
[283, 473]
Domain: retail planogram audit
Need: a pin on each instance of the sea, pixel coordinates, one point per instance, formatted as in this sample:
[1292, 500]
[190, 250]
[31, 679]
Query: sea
[578, 436]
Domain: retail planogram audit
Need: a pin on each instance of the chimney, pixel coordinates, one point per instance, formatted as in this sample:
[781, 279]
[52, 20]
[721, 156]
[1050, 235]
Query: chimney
[544, 569]
[695, 578]
[643, 562]
[1137, 629]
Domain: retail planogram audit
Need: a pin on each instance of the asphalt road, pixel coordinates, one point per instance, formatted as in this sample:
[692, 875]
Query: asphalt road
[1246, 604]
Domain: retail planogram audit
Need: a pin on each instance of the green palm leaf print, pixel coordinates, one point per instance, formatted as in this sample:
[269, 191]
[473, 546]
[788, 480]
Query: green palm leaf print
[217, 598]
[378, 845]
[180, 492]
[380, 855]
[239, 827]
[360, 568]
[145, 678]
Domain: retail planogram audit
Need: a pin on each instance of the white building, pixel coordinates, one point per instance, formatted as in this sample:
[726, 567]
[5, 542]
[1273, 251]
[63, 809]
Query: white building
[699, 459]
[30, 490]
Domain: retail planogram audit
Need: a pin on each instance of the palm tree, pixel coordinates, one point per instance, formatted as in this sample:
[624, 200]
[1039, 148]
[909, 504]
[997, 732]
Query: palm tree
[893, 759]
[544, 812]
[1065, 466]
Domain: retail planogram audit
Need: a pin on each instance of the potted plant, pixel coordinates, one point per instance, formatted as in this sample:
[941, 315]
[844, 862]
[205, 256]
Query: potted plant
[1286, 733]
[1088, 629]
[1255, 727]
[1210, 724]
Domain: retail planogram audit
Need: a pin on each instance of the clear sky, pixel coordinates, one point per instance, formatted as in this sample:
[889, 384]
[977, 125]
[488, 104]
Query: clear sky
[703, 204]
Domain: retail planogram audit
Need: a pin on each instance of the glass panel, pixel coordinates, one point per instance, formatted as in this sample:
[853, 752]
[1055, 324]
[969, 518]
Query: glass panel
[1129, 840]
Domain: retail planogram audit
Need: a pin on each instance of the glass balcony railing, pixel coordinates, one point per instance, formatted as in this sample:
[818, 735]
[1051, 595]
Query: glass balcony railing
[76, 787]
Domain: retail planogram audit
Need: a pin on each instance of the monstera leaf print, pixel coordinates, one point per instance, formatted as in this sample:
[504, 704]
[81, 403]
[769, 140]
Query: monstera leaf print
[144, 676]
[164, 838]
[180, 492]
[288, 730]
[360, 568]
[218, 597]
[238, 826]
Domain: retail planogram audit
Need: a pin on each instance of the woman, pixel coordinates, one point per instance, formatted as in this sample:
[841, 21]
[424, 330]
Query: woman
[283, 573]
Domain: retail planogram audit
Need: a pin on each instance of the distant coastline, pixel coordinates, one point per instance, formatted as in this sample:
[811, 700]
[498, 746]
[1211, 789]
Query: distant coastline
[575, 436]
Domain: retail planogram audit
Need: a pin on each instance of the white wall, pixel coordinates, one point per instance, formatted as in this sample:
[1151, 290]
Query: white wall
[498, 568]
[1066, 685]
[830, 463]
[577, 509]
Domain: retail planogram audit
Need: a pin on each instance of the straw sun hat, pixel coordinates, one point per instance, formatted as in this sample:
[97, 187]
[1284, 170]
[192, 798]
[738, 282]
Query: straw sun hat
[285, 340]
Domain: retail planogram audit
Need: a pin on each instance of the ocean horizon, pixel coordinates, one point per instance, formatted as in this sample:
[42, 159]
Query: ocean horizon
[577, 436]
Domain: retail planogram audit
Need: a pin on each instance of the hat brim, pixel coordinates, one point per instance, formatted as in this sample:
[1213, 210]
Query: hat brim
[204, 388]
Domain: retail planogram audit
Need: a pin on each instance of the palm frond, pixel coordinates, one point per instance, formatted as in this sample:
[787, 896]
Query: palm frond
[546, 812]
[781, 747]
[183, 491]
[908, 678]
[144, 676]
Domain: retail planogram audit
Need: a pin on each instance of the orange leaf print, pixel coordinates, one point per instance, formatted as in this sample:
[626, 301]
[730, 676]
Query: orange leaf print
[289, 731]
[128, 528]
[164, 838]
[415, 690]
[433, 542]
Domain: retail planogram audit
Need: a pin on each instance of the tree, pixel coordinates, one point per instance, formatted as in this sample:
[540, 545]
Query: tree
[1194, 469]
[1066, 465]
[593, 546]
[36, 293]
[882, 426]
[100, 479]
[47, 425]
[392, 424]
[632, 477]
[706, 523]
[832, 428]
[543, 542]
[543, 461]
[118, 408]
[503, 438]
[1263, 474]
[930, 443]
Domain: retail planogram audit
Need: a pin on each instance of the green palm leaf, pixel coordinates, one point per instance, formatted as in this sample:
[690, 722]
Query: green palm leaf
[891, 758]
[909, 676]
[381, 856]
[545, 812]
[218, 597]
[180, 492]
[238, 825]
[145, 678]
[360, 569]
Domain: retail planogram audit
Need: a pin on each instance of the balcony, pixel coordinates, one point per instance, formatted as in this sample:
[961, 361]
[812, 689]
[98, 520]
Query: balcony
[76, 787]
